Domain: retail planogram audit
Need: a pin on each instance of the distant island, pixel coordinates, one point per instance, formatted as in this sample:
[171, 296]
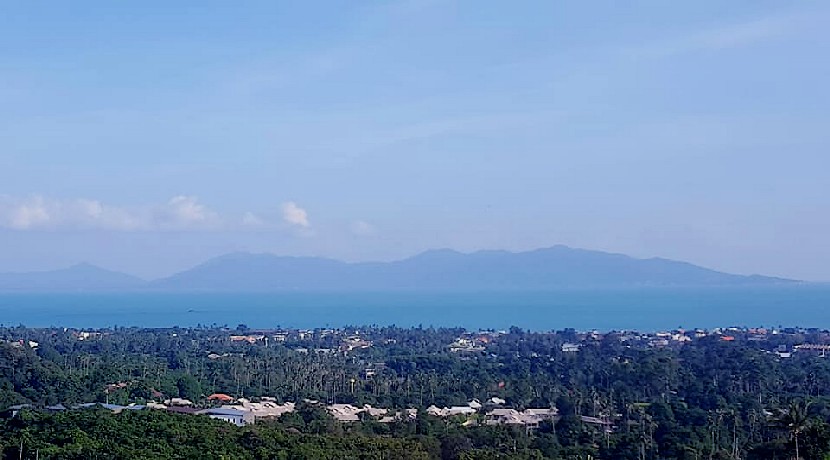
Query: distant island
[548, 268]
[82, 277]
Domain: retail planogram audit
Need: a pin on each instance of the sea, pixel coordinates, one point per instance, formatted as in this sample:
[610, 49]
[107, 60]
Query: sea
[643, 309]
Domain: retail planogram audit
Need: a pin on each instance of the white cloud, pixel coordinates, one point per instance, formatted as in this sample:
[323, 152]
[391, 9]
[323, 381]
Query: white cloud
[94, 214]
[179, 213]
[91, 208]
[362, 228]
[250, 219]
[31, 213]
[39, 213]
[185, 211]
[295, 215]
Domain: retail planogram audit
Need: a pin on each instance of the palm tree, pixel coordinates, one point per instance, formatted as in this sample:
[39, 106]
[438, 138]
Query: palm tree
[795, 419]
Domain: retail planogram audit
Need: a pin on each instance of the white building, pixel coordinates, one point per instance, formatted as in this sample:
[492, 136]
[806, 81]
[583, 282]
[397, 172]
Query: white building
[234, 416]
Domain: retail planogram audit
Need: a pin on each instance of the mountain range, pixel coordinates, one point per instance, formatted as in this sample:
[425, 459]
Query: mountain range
[81, 277]
[555, 267]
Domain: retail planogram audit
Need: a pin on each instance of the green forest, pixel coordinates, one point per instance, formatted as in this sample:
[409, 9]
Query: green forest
[714, 395]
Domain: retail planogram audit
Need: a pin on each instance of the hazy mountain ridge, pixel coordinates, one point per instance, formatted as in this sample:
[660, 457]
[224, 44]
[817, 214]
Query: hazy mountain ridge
[555, 267]
[81, 277]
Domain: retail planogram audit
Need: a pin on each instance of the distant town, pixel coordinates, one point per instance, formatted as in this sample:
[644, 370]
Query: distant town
[354, 346]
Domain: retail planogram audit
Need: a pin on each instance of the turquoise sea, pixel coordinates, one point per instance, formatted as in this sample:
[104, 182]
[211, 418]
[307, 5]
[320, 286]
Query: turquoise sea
[635, 308]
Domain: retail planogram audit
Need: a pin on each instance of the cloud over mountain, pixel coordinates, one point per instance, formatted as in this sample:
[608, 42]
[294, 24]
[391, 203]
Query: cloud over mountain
[40, 213]
[292, 214]
[362, 228]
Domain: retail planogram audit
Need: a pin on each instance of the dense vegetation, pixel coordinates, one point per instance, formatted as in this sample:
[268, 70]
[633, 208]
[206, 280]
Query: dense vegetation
[706, 398]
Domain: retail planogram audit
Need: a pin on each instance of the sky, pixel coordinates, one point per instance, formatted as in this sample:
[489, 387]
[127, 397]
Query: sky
[149, 137]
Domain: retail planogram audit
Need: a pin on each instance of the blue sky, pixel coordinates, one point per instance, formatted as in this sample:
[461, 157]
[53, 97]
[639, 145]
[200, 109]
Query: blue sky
[149, 137]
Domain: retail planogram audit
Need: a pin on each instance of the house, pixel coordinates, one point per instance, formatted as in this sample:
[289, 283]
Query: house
[815, 349]
[344, 412]
[281, 336]
[461, 410]
[112, 387]
[681, 337]
[408, 414]
[529, 417]
[350, 413]
[251, 339]
[604, 423]
[180, 410]
[659, 343]
[178, 402]
[570, 347]
[114, 408]
[503, 417]
[14, 410]
[354, 343]
[346, 417]
[221, 397]
[434, 411]
[547, 413]
[84, 335]
[374, 411]
[234, 416]
[267, 409]
[84, 405]
[466, 345]
[450, 411]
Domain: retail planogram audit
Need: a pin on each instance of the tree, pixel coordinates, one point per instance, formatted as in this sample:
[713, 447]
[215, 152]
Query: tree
[795, 419]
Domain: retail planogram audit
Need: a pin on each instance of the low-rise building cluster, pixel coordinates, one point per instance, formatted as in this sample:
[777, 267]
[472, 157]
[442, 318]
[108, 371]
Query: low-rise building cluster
[241, 411]
[528, 417]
